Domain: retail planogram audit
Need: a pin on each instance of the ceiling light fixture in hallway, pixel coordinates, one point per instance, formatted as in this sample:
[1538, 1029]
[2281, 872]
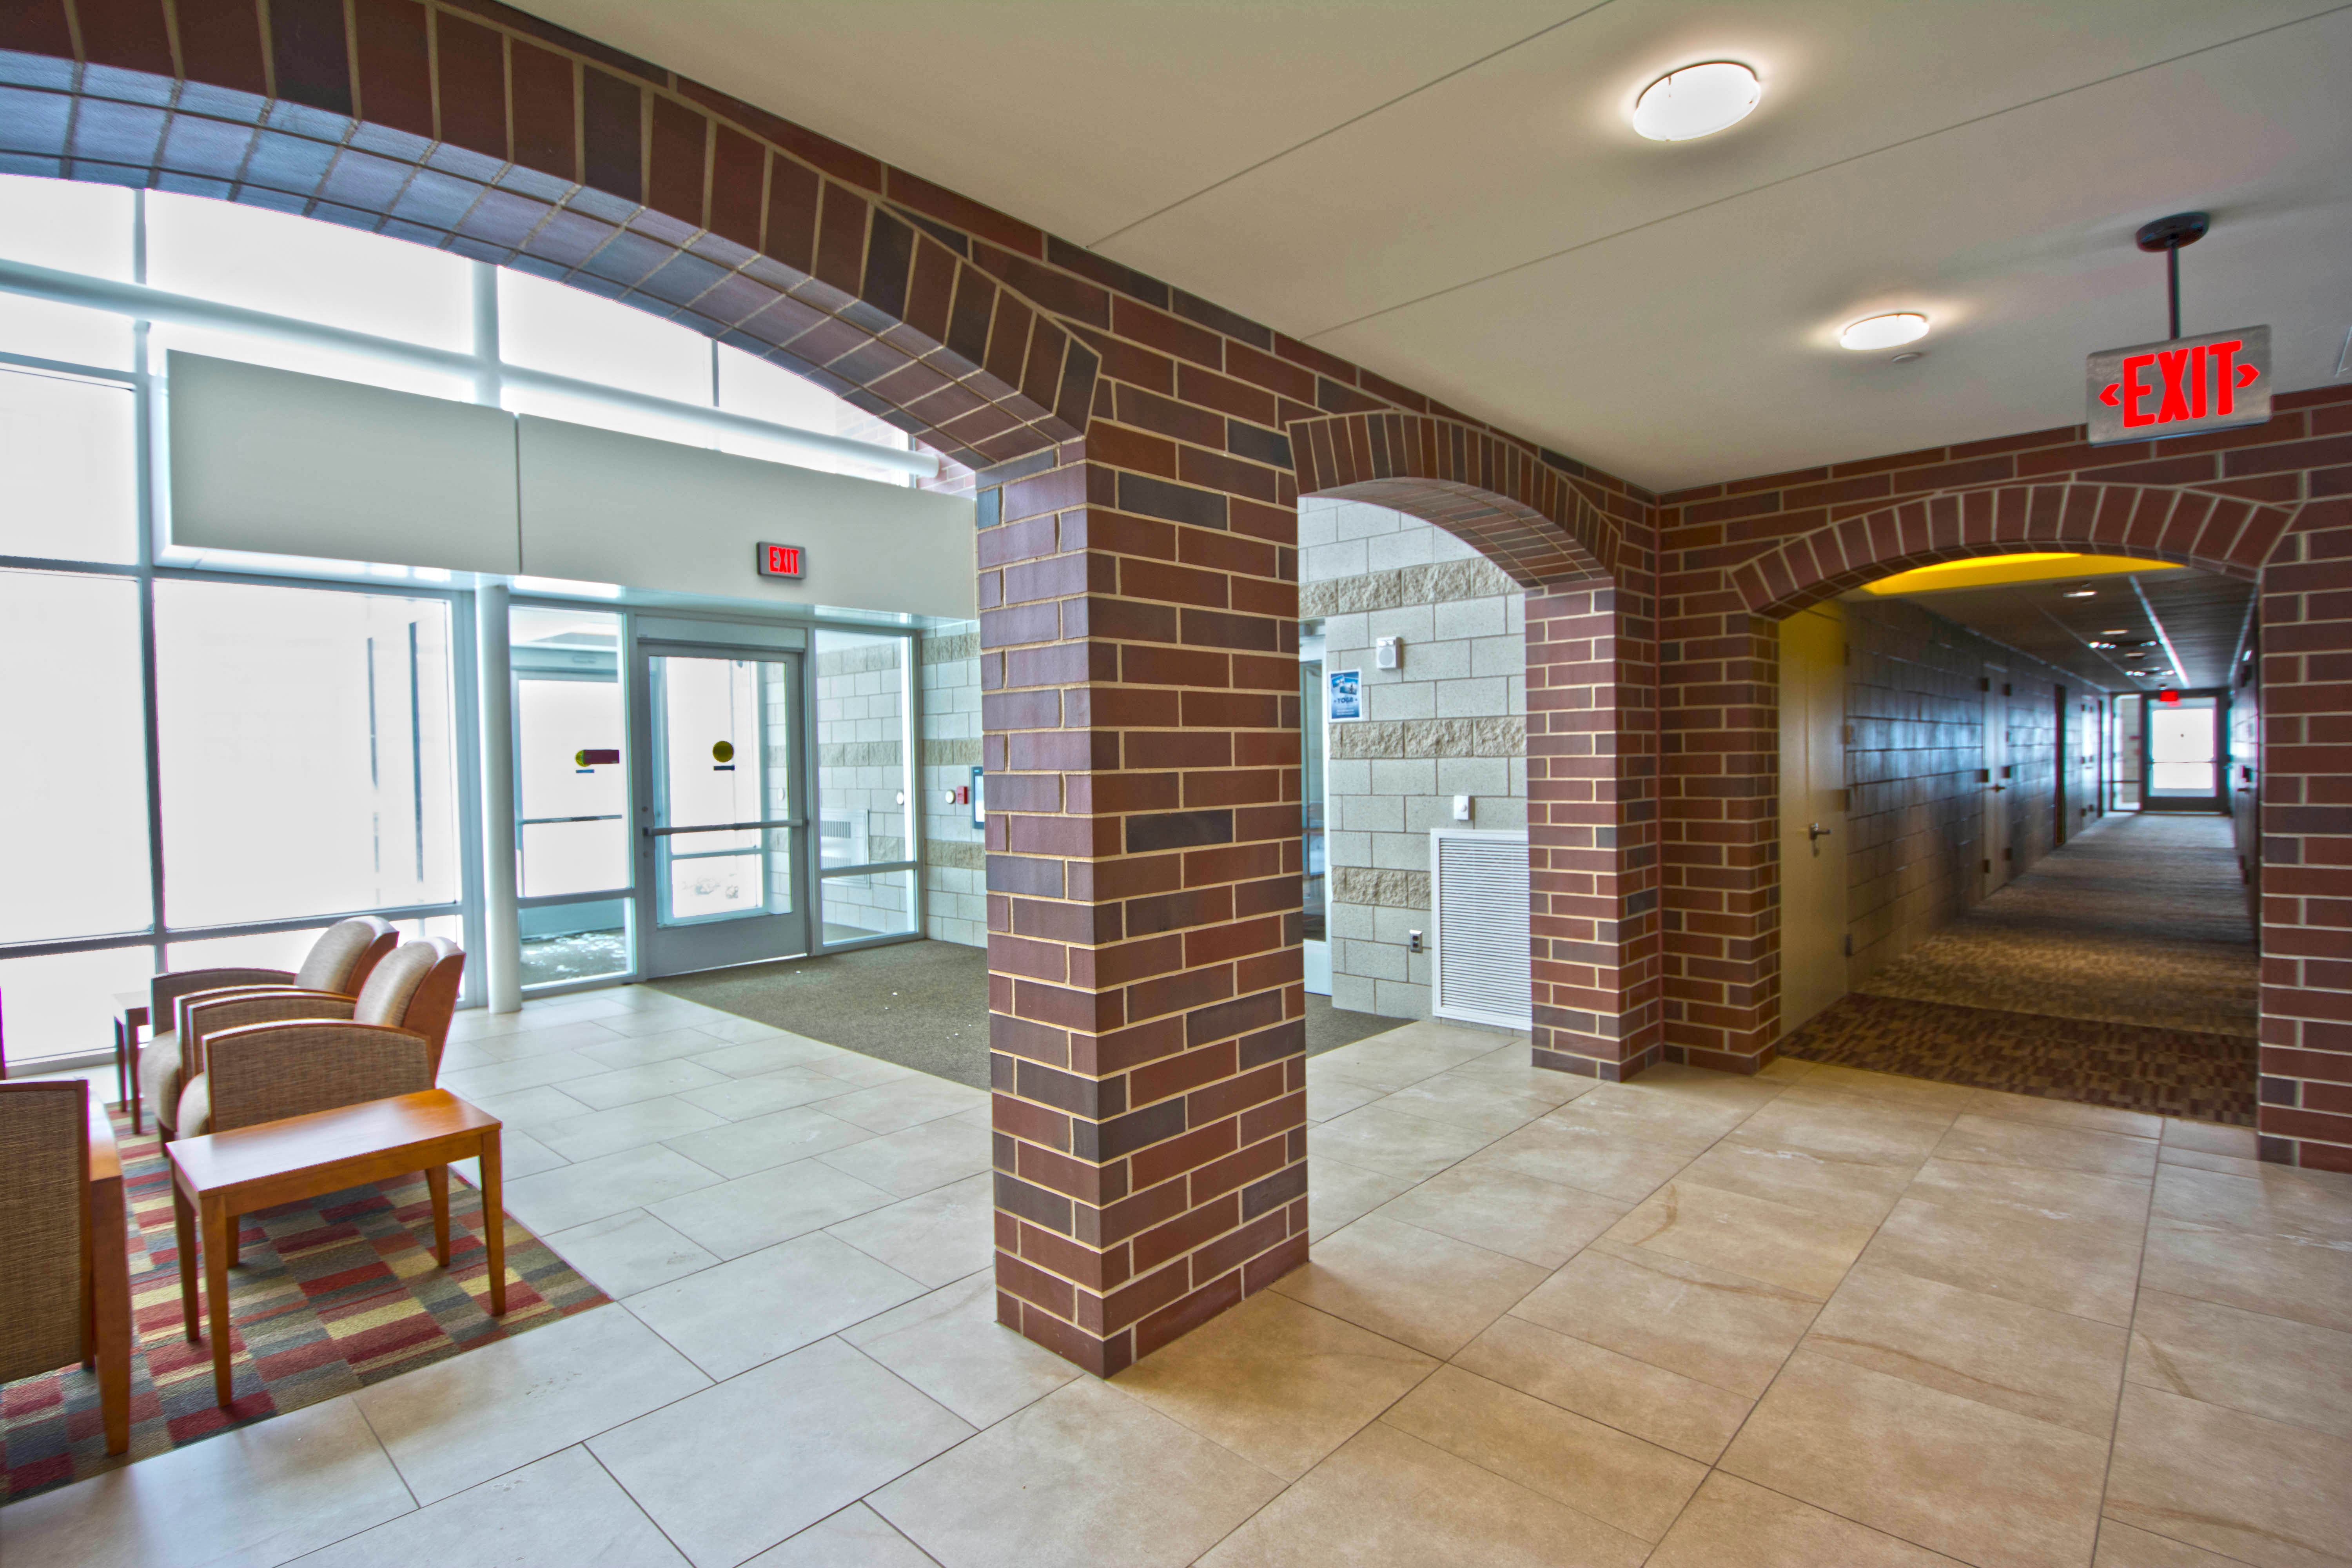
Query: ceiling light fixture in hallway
[1696, 100]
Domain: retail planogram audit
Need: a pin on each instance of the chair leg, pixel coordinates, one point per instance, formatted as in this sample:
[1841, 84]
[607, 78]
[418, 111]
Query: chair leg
[110, 1306]
[183, 1224]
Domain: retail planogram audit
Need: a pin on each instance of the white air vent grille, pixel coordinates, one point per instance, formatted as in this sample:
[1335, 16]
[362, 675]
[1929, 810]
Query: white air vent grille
[1478, 912]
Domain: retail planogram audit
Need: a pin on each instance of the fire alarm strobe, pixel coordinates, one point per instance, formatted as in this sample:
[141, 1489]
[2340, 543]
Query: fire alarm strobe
[783, 561]
[2178, 386]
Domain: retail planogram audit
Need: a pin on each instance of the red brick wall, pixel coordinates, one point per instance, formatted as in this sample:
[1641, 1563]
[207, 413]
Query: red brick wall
[2269, 503]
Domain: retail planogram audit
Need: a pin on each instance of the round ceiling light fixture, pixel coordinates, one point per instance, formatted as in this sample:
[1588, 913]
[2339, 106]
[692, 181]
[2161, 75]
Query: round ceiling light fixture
[1886, 331]
[1696, 100]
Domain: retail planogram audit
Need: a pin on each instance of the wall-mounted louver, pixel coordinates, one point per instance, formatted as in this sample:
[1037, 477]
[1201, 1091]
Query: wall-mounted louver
[1478, 917]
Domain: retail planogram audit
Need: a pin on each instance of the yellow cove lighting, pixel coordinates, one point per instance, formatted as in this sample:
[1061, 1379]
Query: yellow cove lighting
[1990, 571]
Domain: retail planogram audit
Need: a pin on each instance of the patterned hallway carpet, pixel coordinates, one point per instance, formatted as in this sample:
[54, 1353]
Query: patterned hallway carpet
[2120, 970]
[329, 1294]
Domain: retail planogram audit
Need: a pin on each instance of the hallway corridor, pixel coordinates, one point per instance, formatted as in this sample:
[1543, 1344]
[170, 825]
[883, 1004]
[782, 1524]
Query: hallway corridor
[2120, 970]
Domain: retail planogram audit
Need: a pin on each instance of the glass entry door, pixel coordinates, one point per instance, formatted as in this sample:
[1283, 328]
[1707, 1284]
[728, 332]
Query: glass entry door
[2185, 761]
[722, 839]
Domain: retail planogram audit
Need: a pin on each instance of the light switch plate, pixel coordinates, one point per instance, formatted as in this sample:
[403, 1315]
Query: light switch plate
[1461, 808]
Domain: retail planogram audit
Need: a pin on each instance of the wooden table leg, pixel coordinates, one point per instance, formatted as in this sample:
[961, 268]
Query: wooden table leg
[494, 1221]
[437, 1177]
[219, 1237]
[183, 1224]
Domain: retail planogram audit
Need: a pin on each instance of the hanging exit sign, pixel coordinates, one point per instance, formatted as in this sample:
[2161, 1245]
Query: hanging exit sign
[2150, 391]
[781, 560]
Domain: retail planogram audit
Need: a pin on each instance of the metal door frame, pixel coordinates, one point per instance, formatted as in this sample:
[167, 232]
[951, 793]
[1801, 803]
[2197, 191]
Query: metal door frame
[717, 943]
[2218, 803]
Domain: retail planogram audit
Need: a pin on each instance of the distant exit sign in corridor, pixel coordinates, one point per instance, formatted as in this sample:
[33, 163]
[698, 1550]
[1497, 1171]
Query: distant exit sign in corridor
[2151, 391]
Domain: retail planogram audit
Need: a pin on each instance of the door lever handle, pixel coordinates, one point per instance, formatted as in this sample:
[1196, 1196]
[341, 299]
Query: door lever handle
[1816, 831]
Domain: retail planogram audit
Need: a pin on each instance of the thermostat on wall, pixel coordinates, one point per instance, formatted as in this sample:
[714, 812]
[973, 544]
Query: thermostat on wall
[782, 560]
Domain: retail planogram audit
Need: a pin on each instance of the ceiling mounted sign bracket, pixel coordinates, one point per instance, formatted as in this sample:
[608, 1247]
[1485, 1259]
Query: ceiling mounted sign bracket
[2168, 235]
[2178, 386]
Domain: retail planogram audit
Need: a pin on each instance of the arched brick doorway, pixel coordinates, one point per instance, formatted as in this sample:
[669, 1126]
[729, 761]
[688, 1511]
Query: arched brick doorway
[1720, 696]
[1591, 738]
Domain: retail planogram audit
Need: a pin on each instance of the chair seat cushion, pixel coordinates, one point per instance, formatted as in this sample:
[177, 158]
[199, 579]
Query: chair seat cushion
[159, 1076]
[196, 1118]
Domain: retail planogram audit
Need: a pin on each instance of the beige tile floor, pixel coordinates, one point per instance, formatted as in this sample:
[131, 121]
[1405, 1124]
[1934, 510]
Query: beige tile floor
[1816, 1318]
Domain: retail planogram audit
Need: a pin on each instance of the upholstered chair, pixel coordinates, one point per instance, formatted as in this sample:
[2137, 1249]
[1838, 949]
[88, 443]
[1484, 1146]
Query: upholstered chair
[339, 961]
[268, 1055]
[65, 1272]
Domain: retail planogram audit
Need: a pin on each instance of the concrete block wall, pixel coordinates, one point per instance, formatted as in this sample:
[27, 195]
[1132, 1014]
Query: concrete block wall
[1452, 720]
[955, 858]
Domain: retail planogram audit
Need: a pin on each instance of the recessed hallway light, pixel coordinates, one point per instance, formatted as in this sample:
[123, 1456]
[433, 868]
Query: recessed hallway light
[1884, 332]
[1696, 100]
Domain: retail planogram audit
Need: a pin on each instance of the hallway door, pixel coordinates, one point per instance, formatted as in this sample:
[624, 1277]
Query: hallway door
[722, 840]
[1813, 849]
[1995, 837]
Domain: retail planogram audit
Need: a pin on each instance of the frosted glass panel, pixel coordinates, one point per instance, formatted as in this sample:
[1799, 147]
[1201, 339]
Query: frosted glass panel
[63, 1005]
[2182, 748]
[555, 327]
[764, 391]
[69, 449]
[309, 751]
[73, 798]
[307, 267]
[74, 227]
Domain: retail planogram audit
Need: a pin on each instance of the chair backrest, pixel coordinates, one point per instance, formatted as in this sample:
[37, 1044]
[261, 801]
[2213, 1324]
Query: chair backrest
[43, 1201]
[345, 954]
[415, 989]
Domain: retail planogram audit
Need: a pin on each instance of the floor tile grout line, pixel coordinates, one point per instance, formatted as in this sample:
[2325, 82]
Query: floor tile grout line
[597, 1460]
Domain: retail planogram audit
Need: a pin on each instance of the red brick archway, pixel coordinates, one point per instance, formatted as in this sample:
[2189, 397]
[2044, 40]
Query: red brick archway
[1592, 667]
[2217, 533]
[1735, 567]
[498, 138]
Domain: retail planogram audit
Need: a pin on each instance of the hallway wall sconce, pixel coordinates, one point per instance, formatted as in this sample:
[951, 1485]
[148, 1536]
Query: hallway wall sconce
[1696, 100]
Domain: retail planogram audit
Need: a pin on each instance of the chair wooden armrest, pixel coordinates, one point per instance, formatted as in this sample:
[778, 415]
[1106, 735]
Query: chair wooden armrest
[106, 1264]
[266, 1072]
[206, 1014]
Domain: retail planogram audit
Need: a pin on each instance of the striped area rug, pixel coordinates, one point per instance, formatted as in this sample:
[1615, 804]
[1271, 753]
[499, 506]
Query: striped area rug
[328, 1296]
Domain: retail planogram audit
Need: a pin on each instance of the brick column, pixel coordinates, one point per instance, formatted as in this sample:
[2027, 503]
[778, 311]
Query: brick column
[2305, 1112]
[1592, 828]
[1720, 760]
[1139, 664]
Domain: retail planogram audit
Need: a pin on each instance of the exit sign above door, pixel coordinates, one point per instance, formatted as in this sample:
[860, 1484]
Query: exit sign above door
[781, 560]
[2180, 387]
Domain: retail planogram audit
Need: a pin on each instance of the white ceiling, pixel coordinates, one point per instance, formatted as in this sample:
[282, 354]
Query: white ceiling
[1450, 194]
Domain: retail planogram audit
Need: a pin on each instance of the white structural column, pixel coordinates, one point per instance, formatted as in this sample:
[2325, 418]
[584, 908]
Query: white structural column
[501, 928]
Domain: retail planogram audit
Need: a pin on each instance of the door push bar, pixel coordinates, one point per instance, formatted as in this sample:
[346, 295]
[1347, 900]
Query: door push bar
[725, 826]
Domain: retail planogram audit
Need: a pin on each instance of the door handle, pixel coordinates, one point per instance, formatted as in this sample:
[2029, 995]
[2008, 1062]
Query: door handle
[723, 826]
[1998, 788]
[1816, 831]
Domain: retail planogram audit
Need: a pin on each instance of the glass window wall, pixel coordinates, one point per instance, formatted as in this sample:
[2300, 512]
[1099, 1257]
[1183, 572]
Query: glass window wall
[866, 830]
[307, 747]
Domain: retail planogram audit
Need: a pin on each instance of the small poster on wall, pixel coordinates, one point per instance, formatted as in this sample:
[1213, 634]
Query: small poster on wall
[1347, 687]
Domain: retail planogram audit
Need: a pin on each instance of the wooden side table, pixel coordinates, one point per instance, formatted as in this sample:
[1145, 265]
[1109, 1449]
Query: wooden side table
[130, 1017]
[218, 1177]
